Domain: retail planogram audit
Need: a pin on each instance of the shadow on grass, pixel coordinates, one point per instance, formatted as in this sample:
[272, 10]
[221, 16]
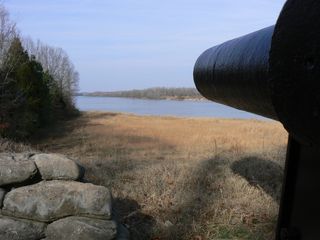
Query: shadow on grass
[261, 173]
[128, 212]
[206, 187]
[59, 134]
[62, 128]
[202, 189]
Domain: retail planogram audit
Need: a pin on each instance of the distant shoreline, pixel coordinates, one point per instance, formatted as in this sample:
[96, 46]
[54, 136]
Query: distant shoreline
[159, 93]
[164, 98]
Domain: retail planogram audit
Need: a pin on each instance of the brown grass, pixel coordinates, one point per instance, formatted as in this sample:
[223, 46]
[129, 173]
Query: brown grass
[180, 178]
[7, 145]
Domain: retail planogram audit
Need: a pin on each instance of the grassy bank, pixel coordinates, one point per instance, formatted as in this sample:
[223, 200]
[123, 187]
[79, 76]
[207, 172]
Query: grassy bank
[180, 178]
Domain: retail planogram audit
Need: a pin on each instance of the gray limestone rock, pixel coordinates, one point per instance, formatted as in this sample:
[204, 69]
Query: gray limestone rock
[57, 167]
[14, 229]
[15, 169]
[51, 200]
[6, 156]
[81, 228]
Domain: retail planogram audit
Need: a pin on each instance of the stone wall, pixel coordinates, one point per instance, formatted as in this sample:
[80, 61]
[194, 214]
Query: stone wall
[42, 197]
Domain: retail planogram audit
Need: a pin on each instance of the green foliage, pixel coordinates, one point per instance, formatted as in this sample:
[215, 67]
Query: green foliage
[37, 82]
[30, 97]
[27, 92]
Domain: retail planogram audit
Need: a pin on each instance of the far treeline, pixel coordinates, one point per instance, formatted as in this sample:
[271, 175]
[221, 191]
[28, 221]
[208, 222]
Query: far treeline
[37, 82]
[151, 93]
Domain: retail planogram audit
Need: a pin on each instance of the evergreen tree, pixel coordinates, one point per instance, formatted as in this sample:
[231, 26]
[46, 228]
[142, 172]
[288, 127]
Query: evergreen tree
[29, 93]
[36, 86]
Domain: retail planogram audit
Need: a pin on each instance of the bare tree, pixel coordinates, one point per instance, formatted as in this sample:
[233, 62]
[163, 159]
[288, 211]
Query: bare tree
[58, 64]
[8, 33]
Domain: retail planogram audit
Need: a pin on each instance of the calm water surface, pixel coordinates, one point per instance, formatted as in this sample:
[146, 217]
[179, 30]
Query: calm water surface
[161, 107]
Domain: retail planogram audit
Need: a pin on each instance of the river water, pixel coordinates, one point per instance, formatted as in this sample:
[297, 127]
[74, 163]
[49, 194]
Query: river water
[186, 108]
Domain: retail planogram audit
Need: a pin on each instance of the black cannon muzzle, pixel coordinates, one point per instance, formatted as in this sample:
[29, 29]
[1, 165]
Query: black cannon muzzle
[274, 72]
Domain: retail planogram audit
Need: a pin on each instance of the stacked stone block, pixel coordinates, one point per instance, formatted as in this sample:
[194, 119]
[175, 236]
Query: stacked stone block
[42, 197]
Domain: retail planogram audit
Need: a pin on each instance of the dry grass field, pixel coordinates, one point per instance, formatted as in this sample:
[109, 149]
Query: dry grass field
[180, 178]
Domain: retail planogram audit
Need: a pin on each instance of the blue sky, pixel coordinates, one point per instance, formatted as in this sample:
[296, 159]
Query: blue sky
[126, 44]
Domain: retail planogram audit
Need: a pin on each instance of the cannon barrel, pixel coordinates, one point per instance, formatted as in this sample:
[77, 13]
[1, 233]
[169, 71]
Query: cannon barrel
[235, 73]
[274, 72]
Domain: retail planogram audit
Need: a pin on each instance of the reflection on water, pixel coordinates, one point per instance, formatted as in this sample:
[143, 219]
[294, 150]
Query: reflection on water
[160, 107]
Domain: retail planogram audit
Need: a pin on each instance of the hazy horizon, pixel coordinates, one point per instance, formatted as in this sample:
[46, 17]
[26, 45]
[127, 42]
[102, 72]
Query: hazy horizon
[125, 45]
